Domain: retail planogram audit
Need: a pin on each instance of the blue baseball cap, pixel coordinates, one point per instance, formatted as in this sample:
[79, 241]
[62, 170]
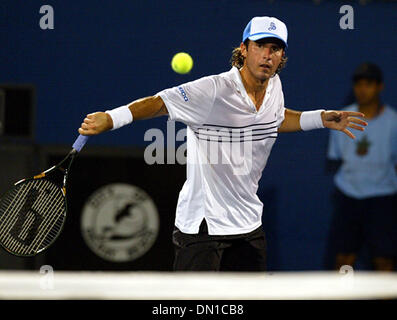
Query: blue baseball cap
[266, 27]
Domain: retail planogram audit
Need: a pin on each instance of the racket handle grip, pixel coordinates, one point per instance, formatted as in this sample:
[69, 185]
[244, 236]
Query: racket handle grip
[80, 142]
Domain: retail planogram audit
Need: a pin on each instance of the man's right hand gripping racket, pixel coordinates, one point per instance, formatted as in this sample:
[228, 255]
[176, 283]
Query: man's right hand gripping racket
[33, 212]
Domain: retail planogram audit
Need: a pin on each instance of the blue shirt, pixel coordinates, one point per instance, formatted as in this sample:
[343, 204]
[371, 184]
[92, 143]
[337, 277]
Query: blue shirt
[368, 168]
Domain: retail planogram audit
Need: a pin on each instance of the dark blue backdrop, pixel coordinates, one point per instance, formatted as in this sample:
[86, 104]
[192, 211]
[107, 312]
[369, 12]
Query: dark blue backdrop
[103, 54]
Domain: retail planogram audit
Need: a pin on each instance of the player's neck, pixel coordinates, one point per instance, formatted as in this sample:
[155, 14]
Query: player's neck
[372, 109]
[253, 85]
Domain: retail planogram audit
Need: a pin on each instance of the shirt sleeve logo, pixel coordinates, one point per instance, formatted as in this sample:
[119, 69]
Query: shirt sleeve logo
[183, 93]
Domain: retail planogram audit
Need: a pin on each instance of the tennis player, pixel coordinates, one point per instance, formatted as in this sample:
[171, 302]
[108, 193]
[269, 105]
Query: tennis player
[218, 223]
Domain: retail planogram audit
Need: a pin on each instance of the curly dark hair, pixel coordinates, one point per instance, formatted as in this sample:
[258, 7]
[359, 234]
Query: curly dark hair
[237, 59]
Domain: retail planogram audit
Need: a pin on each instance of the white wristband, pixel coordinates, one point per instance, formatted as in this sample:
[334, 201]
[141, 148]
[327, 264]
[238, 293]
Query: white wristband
[121, 116]
[311, 120]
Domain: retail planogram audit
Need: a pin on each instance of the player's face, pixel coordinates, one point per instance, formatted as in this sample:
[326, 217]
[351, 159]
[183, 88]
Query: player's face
[262, 57]
[367, 91]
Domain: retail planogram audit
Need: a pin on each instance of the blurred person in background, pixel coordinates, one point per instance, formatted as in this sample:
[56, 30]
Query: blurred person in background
[365, 211]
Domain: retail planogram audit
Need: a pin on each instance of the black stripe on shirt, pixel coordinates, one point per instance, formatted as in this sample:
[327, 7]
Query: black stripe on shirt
[250, 125]
[232, 130]
[242, 135]
[222, 140]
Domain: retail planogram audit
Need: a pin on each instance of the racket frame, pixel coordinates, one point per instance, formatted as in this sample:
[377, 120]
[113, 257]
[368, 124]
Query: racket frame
[43, 175]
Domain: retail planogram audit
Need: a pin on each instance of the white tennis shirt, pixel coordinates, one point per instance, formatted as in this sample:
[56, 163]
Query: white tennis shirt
[228, 144]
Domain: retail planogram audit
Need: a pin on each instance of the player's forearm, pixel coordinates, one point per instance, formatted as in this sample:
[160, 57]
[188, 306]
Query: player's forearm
[148, 107]
[291, 121]
[307, 120]
[144, 108]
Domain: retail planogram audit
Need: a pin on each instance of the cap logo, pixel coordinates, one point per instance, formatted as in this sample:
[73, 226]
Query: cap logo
[272, 26]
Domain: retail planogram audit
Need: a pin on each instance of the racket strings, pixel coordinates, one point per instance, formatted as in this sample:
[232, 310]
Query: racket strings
[43, 209]
[27, 223]
[48, 203]
[57, 211]
[52, 234]
[16, 199]
[48, 238]
[13, 214]
[11, 242]
[43, 205]
[51, 207]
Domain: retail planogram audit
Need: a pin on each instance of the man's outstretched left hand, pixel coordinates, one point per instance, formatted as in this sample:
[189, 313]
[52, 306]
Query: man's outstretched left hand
[342, 120]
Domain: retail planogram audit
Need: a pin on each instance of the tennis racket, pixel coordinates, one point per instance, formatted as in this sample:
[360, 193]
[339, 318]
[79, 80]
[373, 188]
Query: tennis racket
[33, 212]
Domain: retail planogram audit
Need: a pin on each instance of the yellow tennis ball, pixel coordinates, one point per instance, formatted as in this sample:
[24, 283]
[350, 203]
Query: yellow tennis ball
[182, 63]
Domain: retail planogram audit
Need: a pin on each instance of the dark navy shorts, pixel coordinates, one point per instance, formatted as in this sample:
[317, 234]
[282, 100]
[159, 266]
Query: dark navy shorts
[370, 222]
[203, 252]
